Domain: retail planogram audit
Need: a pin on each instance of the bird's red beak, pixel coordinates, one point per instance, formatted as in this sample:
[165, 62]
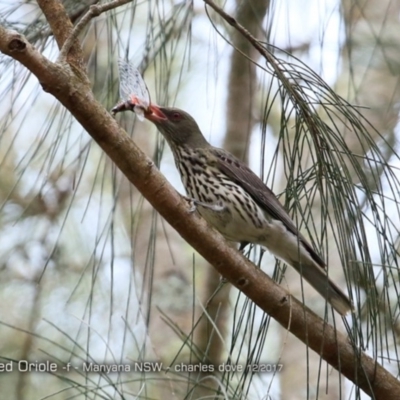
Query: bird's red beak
[154, 114]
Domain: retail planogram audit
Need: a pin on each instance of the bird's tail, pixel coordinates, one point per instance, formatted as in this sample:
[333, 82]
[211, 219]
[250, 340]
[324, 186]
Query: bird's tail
[319, 280]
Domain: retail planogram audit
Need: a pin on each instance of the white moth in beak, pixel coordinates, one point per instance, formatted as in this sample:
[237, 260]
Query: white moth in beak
[133, 90]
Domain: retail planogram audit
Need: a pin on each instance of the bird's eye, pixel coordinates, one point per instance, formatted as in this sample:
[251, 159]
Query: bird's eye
[176, 116]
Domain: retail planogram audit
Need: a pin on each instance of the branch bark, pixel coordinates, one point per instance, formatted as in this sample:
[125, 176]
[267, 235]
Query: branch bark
[73, 91]
[62, 27]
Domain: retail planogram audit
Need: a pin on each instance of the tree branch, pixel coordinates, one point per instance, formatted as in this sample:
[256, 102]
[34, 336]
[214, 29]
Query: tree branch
[58, 19]
[75, 94]
[94, 11]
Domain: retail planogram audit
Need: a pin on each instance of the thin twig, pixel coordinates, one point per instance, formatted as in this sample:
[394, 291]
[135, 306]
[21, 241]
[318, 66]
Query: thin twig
[265, 53]
[233, 22]
[94, 11]
[36, 35]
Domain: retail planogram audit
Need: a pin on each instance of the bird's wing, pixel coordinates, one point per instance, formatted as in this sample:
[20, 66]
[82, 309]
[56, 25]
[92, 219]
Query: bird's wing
[261, 194]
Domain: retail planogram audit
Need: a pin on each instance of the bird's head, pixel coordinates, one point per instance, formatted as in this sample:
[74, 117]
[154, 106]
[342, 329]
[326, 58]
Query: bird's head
[177, 126]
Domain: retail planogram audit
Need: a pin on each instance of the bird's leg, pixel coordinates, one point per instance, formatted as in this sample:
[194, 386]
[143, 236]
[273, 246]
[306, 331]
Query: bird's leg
[217, 207]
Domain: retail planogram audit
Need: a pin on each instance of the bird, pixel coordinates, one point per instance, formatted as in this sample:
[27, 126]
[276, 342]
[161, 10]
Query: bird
[237, 203]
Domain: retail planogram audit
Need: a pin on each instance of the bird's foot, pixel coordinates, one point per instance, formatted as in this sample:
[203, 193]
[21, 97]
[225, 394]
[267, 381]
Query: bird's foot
[217, 207]
[192, 204]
